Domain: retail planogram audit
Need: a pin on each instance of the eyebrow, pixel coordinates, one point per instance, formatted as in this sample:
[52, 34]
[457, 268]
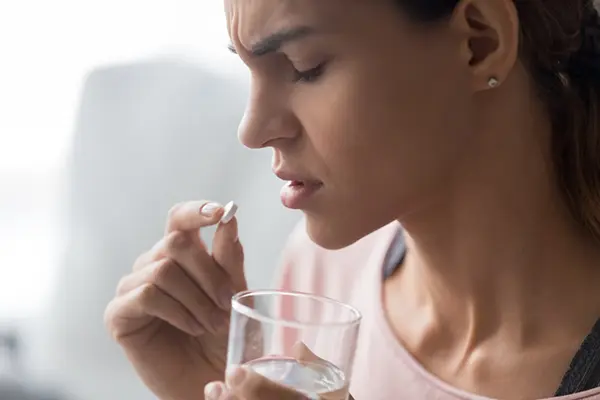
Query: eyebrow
[274, 42]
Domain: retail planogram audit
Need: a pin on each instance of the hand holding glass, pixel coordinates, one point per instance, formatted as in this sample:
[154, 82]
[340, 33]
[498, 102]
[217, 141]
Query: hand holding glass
[299, 340]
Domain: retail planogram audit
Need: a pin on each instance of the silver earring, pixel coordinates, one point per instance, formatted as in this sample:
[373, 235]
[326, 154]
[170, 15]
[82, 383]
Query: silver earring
[493, 82]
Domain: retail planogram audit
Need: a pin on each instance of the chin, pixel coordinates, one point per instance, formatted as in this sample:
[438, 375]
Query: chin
[334, 235]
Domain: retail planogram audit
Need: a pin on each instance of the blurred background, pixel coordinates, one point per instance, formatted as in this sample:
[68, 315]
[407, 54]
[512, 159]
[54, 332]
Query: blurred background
[110, 112]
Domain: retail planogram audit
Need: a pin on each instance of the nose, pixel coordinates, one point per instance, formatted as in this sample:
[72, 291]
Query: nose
[267, 119]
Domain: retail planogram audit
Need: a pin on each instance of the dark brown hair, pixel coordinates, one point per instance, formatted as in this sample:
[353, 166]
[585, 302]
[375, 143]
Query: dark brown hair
[560, 44]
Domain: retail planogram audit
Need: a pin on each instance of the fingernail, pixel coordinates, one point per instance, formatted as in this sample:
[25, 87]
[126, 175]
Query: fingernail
[213, 391]
[209, 209]
[236, 376]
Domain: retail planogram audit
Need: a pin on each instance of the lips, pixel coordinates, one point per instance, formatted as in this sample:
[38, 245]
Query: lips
[304, 183]
[299, 189]
[296, 179]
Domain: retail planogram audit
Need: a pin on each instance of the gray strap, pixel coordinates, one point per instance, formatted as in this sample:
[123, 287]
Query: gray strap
[395, 255]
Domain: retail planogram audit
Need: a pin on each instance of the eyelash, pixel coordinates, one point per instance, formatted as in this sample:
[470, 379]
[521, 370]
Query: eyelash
[309, 76]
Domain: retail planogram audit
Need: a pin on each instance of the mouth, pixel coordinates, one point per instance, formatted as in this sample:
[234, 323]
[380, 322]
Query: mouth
[300, 184]
[298, 191]
[304, 185]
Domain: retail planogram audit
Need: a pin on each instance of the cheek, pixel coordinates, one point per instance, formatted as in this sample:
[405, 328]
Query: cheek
[371, 123]
[384, 139]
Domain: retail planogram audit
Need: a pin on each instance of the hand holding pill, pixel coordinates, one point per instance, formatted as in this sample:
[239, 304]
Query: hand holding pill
[171, 314]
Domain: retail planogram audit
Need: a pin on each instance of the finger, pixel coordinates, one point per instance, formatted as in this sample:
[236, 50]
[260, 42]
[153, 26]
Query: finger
[196, 262]
[184, 217]
[201, 268]
[128, 314]
[193, 215]
[248, 385]
[143, 260]
[169, 277]
[159, 250]
[301, 352]
[156, 253]
[229, 253]
[214, 391]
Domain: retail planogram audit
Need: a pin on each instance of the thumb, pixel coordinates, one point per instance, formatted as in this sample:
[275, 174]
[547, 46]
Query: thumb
[250, 385]
[229, 253]
[303, 354]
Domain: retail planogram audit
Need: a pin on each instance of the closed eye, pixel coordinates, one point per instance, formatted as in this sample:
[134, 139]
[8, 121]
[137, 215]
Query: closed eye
[310, 75]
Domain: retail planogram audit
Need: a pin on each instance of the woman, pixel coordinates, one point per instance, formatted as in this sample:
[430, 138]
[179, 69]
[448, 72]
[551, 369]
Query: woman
[472, 123]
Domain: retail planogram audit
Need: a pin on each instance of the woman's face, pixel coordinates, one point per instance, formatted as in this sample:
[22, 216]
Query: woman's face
[368, 111]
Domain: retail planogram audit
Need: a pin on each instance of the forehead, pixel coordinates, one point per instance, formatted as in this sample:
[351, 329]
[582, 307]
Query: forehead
[250, 20]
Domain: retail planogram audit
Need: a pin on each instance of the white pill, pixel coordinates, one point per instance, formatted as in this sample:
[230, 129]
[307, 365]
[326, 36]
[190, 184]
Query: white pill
[230, 210]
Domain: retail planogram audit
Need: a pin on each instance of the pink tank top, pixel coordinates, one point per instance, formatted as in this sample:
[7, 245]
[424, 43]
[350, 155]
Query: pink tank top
[384, 369]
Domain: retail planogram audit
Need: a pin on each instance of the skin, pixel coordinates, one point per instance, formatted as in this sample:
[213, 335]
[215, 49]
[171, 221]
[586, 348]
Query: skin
[171, 313]
[401, 124]
[342, 129]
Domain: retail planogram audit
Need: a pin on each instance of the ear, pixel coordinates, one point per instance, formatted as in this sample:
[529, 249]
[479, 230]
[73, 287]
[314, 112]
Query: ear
[490, 30]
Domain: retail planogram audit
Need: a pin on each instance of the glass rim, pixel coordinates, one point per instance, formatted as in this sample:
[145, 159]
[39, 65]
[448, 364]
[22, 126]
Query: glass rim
[250, 312]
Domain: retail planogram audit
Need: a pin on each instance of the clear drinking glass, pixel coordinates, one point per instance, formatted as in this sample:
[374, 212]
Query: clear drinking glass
[299, 340]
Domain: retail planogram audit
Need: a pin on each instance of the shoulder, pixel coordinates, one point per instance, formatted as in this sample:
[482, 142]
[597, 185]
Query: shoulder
[307, 267]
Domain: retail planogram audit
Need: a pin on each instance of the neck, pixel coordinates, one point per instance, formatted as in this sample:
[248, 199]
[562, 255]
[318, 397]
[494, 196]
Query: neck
[498, 250]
